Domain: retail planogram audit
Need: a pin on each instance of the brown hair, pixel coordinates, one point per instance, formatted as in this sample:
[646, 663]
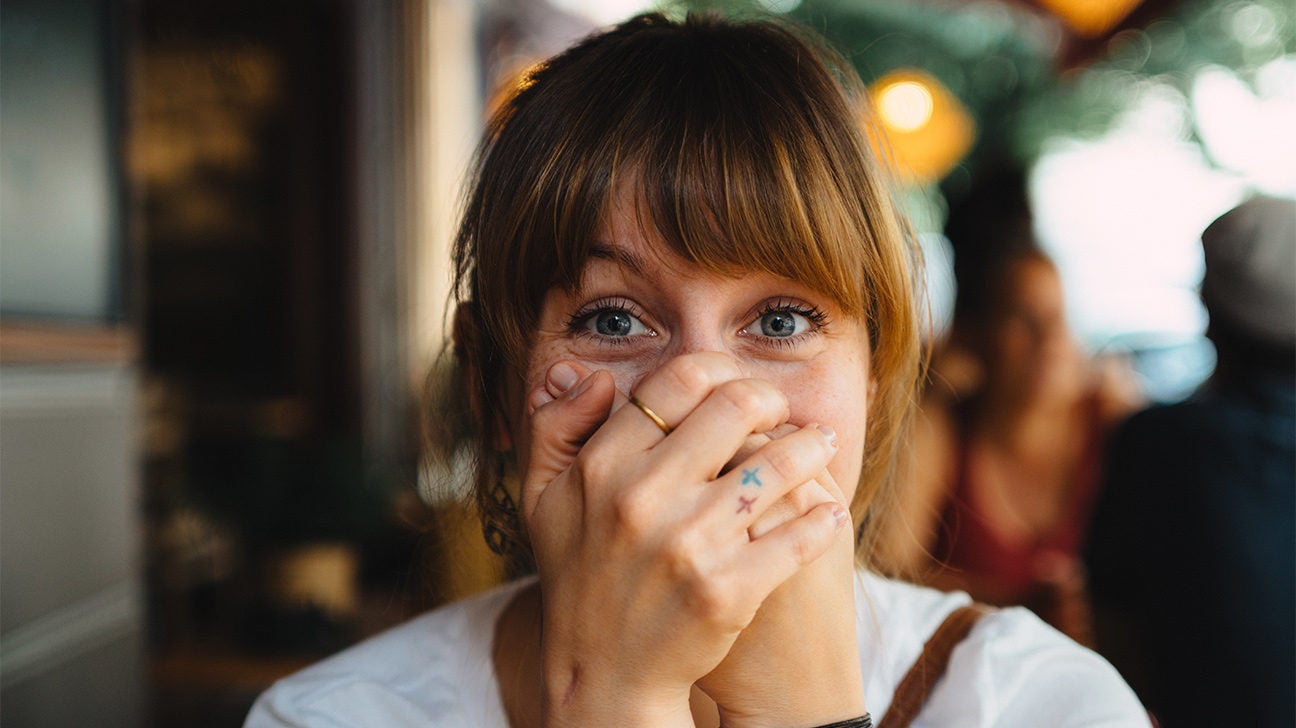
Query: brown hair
[742, 141]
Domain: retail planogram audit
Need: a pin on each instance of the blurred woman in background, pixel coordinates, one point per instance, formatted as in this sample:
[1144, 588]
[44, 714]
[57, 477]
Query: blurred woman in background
[1007, 455]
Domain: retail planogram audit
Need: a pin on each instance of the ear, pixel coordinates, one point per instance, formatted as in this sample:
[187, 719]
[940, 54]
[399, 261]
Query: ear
[466, 337]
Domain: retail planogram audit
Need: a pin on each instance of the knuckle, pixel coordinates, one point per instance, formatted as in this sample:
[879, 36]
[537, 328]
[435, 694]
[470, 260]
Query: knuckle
[786, 463]
[689, 373]
[596, 465]
[703, 587]
[745, 396]
[802, 552]
[711, 601]
[681, 556]
[808, 495]
[805, 547]
[632, 512]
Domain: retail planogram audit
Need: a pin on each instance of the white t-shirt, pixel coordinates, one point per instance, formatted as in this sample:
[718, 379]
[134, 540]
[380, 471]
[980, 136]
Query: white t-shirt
[436, 670]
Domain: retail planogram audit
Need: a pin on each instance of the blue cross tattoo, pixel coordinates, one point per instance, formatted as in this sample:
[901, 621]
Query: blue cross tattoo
[749, 476]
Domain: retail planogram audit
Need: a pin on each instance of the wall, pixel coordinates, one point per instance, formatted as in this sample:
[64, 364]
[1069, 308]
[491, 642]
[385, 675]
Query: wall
[71, 620]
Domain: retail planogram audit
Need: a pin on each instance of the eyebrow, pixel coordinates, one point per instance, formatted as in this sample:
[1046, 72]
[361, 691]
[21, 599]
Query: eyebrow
[618, 255]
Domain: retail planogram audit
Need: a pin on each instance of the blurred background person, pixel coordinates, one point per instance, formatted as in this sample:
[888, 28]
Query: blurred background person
[1193, 547]
[1010, 443]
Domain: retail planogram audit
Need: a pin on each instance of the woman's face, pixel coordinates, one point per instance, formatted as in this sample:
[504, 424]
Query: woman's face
[1033, 353]
[640, 305]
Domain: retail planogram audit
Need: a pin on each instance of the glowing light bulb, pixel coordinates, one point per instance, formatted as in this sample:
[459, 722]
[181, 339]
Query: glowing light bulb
[918, 124]
[906, 105]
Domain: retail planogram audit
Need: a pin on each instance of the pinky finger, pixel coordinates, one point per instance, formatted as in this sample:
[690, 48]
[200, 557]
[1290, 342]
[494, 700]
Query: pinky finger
[785, 550]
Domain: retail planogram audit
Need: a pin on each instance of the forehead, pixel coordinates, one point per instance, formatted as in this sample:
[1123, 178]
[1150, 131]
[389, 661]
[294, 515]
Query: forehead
[628, 245]
[648, 265]
[630, 236]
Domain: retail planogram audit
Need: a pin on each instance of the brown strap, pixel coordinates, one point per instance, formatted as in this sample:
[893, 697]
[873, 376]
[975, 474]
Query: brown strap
[917, 684]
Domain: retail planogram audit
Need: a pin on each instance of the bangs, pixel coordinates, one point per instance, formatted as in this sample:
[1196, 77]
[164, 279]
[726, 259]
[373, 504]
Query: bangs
[734, 166]
[741, 155]
[736, 201]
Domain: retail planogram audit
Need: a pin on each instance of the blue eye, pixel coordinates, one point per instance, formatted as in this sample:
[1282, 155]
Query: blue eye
[780, 324]
[613, 323]
[786, 322]
[609, 320]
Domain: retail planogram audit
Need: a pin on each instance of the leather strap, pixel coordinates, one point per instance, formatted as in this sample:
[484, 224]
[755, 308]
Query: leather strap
[917, 684]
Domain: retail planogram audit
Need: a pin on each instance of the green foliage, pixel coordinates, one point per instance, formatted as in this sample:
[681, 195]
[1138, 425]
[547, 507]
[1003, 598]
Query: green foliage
[1002, 62]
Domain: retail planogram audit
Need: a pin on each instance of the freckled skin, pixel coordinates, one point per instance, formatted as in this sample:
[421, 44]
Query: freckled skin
[824, 376]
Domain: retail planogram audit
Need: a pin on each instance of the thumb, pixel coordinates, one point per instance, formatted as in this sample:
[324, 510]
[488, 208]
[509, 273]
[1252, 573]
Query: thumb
[560, 425]
[563, 376]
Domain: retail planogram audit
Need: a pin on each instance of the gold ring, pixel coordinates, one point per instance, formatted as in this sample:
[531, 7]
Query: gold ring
[656, 418]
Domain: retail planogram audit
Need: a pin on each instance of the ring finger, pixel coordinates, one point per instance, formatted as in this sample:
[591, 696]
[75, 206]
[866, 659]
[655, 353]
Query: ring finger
[671, 392]
[754, 485]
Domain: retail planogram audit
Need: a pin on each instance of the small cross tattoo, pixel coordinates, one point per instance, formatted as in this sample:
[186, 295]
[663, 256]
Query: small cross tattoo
[745, 504]
[749, 476]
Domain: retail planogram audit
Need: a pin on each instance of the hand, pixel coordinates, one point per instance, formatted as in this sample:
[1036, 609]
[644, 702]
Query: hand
[797, 663]
[648, 573]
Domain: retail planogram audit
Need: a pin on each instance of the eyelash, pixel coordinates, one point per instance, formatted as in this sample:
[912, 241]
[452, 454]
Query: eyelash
[576, 322]
[817, 317]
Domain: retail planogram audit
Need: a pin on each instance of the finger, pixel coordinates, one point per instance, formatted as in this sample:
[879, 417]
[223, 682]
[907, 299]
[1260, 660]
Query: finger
[824, 480]
[720, 425]
[749, 490]
[792, 505]
[755, 442]
[797, 501]
[559, 378]
[672, 392]
[779, 554]
[560, 427]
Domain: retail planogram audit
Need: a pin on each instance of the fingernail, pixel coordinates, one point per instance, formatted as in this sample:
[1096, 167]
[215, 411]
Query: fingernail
[581, 388]
[829, 433]
[562, 376]
[841, 516]
[538, 399]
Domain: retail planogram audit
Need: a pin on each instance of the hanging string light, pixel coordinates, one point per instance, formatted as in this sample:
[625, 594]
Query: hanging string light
[925, 129]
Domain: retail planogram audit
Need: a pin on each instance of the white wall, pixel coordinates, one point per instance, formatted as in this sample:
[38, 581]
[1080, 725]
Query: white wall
[71, 616]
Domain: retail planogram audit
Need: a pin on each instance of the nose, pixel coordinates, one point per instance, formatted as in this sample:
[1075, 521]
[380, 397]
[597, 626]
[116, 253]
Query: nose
[685, 341]
[694, 339]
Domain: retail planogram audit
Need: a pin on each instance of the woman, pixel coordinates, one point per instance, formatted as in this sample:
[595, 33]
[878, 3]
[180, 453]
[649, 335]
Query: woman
[687, 327]
[1010, 464]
